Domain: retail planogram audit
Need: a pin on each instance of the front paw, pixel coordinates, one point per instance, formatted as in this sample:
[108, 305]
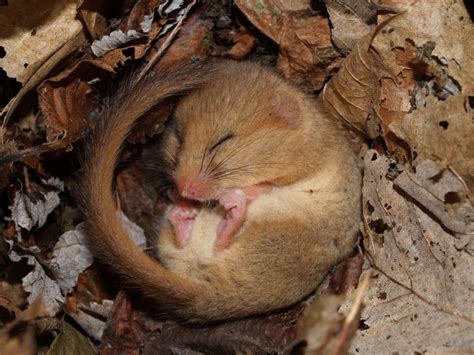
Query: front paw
[235, 205]
[182, 217]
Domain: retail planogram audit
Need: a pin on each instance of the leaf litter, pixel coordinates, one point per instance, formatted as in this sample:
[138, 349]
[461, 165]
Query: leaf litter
[400, 81]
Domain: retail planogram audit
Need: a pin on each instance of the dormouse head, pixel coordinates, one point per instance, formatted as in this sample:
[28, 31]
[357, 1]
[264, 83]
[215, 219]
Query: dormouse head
[244, 128]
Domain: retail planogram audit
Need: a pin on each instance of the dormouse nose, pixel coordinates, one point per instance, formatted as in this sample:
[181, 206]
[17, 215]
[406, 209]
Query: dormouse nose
[193, 188]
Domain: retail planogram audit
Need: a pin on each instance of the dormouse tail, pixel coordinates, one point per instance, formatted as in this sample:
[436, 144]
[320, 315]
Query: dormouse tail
[107, 237]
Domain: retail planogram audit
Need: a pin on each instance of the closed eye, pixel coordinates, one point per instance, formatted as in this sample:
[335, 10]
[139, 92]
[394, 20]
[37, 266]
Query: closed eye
[228, 136]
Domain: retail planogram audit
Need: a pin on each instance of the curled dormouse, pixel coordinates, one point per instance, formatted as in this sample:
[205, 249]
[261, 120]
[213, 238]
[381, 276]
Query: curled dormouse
[284, 180]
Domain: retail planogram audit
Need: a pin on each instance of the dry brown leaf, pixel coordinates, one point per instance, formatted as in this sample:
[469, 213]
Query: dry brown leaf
[352, 94]
[36, 40]
[422, 298]
[68, 100]
[91, 13]
[27, 35]
[350, 22]
[136, 199]
[346, 276]
[242, 43]
[193, 40]
[306, 51]
[307, 55]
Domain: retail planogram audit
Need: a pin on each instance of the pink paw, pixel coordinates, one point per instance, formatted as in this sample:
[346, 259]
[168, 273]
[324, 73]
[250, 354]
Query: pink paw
[182, 217]
[235, 204]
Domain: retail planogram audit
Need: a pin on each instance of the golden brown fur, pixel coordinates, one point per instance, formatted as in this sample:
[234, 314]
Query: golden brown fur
[291, 236]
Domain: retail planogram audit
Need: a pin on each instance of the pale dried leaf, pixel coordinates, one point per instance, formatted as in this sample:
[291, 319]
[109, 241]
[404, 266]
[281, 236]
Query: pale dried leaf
[31, 37]
[422, 56]
[28, 213]
[70, 257]
[40, 286]
[167, 7]
[442, 130]
[91, 317]
[448, 26]
[440, 193]
[422, 298]
[111, 41]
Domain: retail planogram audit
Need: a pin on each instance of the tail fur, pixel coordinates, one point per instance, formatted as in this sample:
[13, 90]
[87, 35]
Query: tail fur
[107, 237]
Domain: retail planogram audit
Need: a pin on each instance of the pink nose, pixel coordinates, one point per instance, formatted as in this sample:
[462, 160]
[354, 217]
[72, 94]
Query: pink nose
[190, 189]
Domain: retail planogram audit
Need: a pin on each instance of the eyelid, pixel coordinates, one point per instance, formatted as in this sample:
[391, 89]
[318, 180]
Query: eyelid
[228, 136]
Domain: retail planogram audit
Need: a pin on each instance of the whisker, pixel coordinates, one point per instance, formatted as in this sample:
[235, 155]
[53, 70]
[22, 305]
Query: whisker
[247, 168]
[204, 155]
[210, 161]
[239, 149]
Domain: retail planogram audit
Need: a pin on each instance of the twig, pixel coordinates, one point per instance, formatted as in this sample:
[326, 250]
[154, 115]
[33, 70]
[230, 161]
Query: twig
[166, 43]
[353, 313]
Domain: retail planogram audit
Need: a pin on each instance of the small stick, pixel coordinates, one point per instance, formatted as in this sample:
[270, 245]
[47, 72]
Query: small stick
[167, 42]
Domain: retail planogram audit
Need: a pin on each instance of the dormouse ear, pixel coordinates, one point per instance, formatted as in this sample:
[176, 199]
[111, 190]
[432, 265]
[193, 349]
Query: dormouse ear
[286, 108]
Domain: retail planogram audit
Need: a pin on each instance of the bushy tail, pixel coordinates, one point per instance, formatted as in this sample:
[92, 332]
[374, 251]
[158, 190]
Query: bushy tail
[107, 238]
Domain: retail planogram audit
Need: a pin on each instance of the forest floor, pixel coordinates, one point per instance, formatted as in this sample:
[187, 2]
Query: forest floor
[399, 76]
